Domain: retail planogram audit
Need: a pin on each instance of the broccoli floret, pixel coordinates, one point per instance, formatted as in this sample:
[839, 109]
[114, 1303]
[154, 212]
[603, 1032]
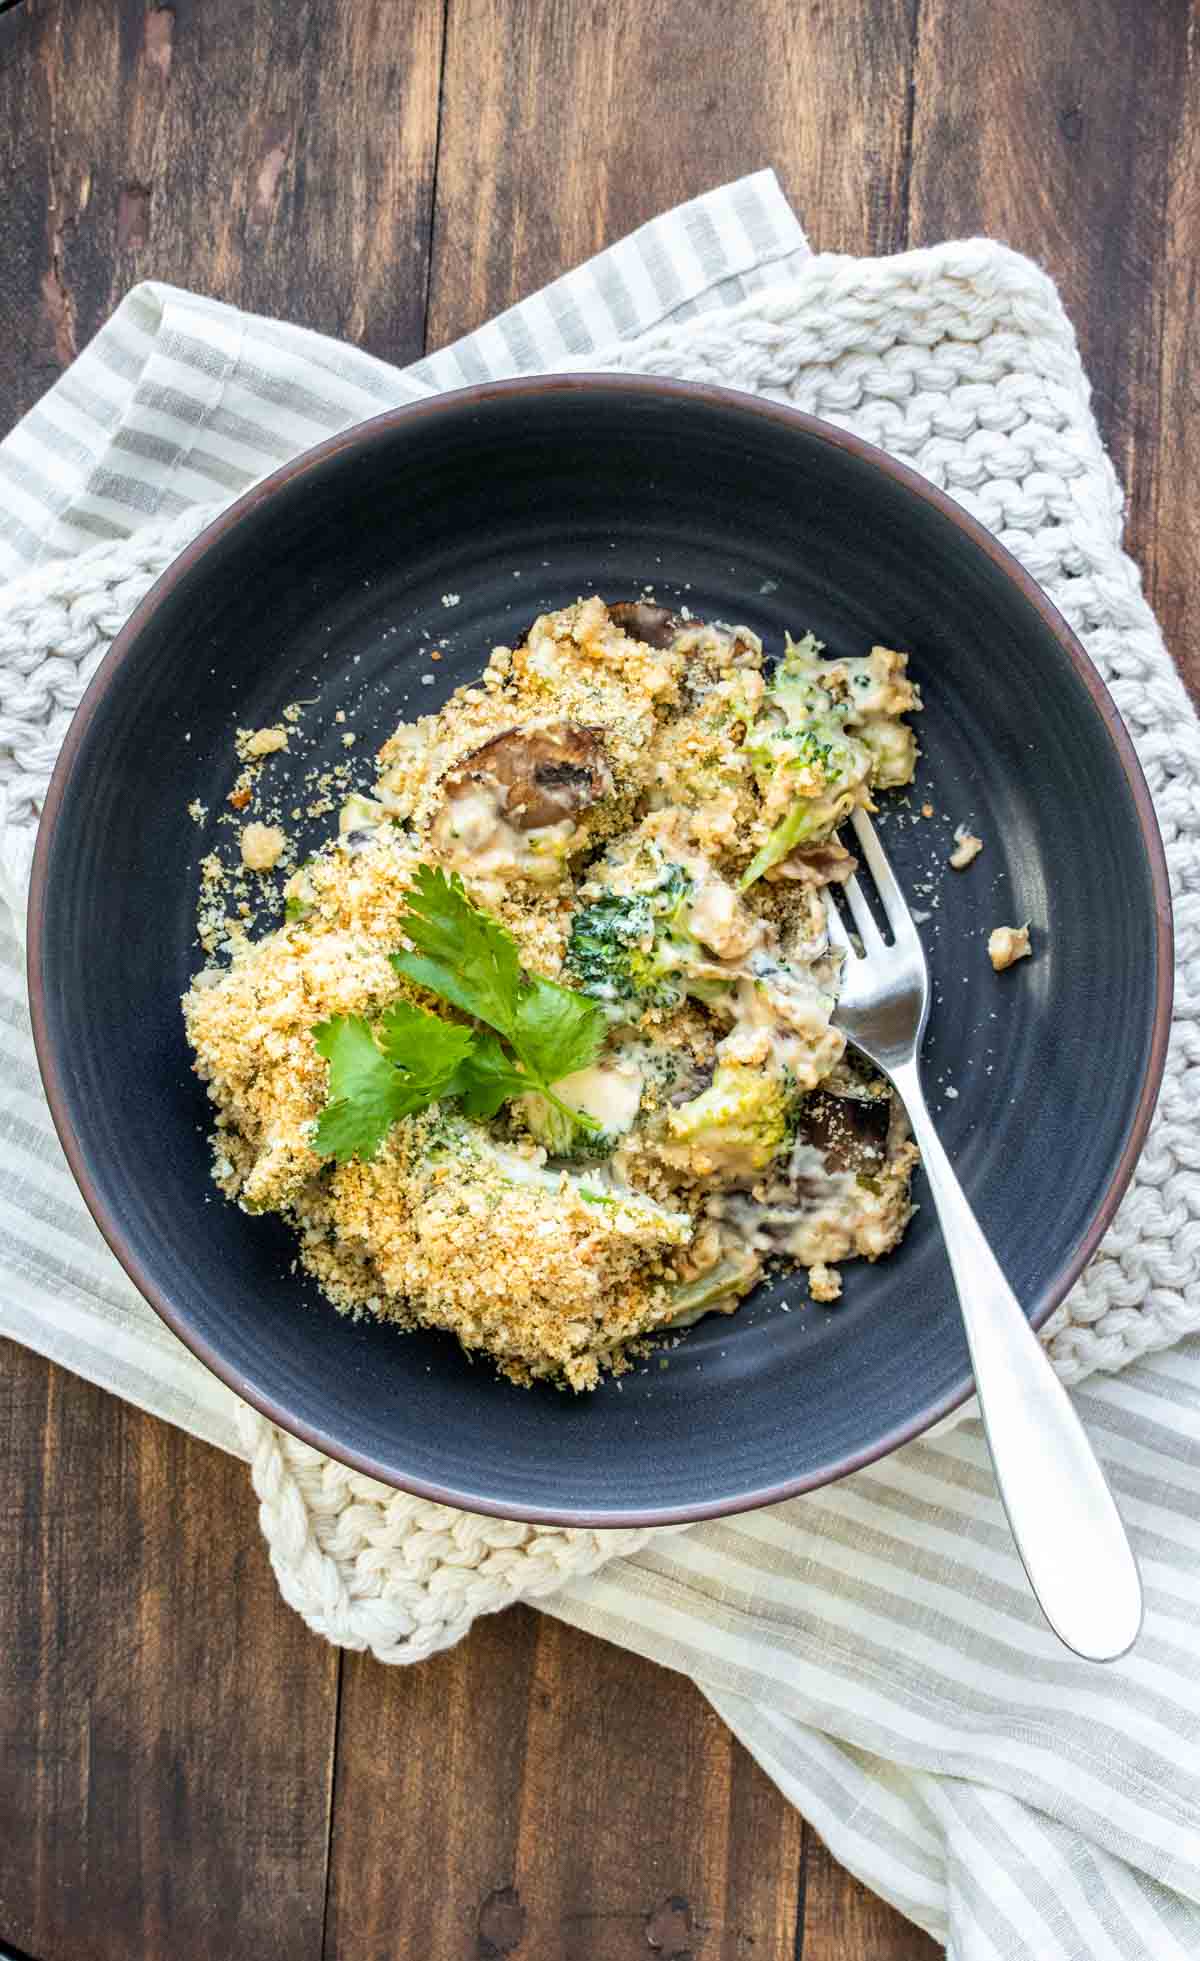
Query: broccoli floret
[800, 746]
[633, 950]
[611, 950]
[801, 724]
[740, 1122]
[807, 822]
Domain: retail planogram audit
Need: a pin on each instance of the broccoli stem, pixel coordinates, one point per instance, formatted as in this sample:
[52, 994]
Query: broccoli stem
[802, 821]
[692, 1298]
[580, 1117]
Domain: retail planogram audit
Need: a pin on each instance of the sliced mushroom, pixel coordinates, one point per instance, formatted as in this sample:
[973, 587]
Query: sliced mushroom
[818, 864]
[539, 776]
[654, 626]
[851, 1135]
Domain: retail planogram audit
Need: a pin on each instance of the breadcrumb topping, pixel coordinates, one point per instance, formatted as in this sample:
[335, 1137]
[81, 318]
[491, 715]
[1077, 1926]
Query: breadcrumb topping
[254, 744]
[824, 1282]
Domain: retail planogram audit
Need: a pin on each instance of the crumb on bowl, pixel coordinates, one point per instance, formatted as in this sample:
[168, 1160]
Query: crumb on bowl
[967, 848]
[262, 847]
[1007, 944]
[254, 744]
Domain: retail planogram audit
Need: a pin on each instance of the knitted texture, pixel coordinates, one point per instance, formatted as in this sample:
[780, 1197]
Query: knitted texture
[960, 361]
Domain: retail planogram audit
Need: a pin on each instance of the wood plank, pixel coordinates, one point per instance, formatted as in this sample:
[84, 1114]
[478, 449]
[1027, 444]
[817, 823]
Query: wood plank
[1072, 162]
[538, 1793]
[278, 157]
[843, 1921]
[565, 127]
[1166, 526]
[167, 1721]
[29, 359]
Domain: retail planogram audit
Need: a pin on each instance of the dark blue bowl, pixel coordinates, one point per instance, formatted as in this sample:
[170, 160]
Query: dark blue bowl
[519, 497]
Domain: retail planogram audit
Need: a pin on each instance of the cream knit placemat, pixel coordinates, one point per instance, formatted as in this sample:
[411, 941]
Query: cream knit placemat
[960, 361]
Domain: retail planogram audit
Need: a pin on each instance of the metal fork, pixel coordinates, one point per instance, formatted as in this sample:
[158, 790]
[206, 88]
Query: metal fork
[1060, 1510]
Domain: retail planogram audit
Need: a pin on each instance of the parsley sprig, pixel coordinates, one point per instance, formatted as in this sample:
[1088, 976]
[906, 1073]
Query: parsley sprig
[378, 1074]
[535, 1032]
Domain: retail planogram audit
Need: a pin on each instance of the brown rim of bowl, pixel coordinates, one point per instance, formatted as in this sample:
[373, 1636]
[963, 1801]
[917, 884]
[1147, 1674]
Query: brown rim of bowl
[727, 399]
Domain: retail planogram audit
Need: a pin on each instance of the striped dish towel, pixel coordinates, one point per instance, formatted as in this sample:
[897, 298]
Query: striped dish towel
[874, 1645]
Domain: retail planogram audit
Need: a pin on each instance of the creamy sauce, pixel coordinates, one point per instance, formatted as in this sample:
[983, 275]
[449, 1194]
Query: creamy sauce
[611, 1092]
[782, 1020]
[720, 920]
[472, 834]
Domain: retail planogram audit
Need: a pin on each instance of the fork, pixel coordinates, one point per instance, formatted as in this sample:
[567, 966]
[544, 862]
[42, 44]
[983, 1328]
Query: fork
[1060, 1510]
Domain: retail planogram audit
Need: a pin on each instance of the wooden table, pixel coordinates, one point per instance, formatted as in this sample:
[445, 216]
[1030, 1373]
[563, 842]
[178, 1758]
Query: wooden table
[184, 1770]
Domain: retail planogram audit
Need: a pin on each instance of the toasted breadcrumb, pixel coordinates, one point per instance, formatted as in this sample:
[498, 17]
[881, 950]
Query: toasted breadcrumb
[1007, 944]
[824, 1283]
[967, 848]
[254, 744]
[262, 846]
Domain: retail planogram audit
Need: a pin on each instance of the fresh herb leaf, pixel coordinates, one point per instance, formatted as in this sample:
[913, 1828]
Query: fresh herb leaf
[459, 952]
[556, 1031]
[425, 1046]
[487, 1078]
[466, 956]
[410, 1058]
[373, 1082]
[366, 1092]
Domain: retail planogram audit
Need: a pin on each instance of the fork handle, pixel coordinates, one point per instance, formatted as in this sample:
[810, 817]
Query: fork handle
[1063, 1517]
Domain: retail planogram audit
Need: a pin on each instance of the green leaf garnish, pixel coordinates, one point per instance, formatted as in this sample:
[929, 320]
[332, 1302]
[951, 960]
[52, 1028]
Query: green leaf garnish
[379, 1074]
[459, 952]
[488, 1078]
[410, 1058]
[557, 1031]
[469, 958]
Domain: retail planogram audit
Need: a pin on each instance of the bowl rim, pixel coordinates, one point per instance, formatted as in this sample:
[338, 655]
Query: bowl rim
[454, 402]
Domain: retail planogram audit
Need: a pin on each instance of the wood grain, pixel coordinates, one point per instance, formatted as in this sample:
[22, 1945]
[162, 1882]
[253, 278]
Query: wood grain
[1082, 160]
[166, 1723]
[1166, 513]
[546, 1795]
[565, 126]
[845, 1922]
[278, 156]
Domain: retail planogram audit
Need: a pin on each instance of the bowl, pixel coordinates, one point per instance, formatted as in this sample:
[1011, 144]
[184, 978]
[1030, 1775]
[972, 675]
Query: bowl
[451, 524]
